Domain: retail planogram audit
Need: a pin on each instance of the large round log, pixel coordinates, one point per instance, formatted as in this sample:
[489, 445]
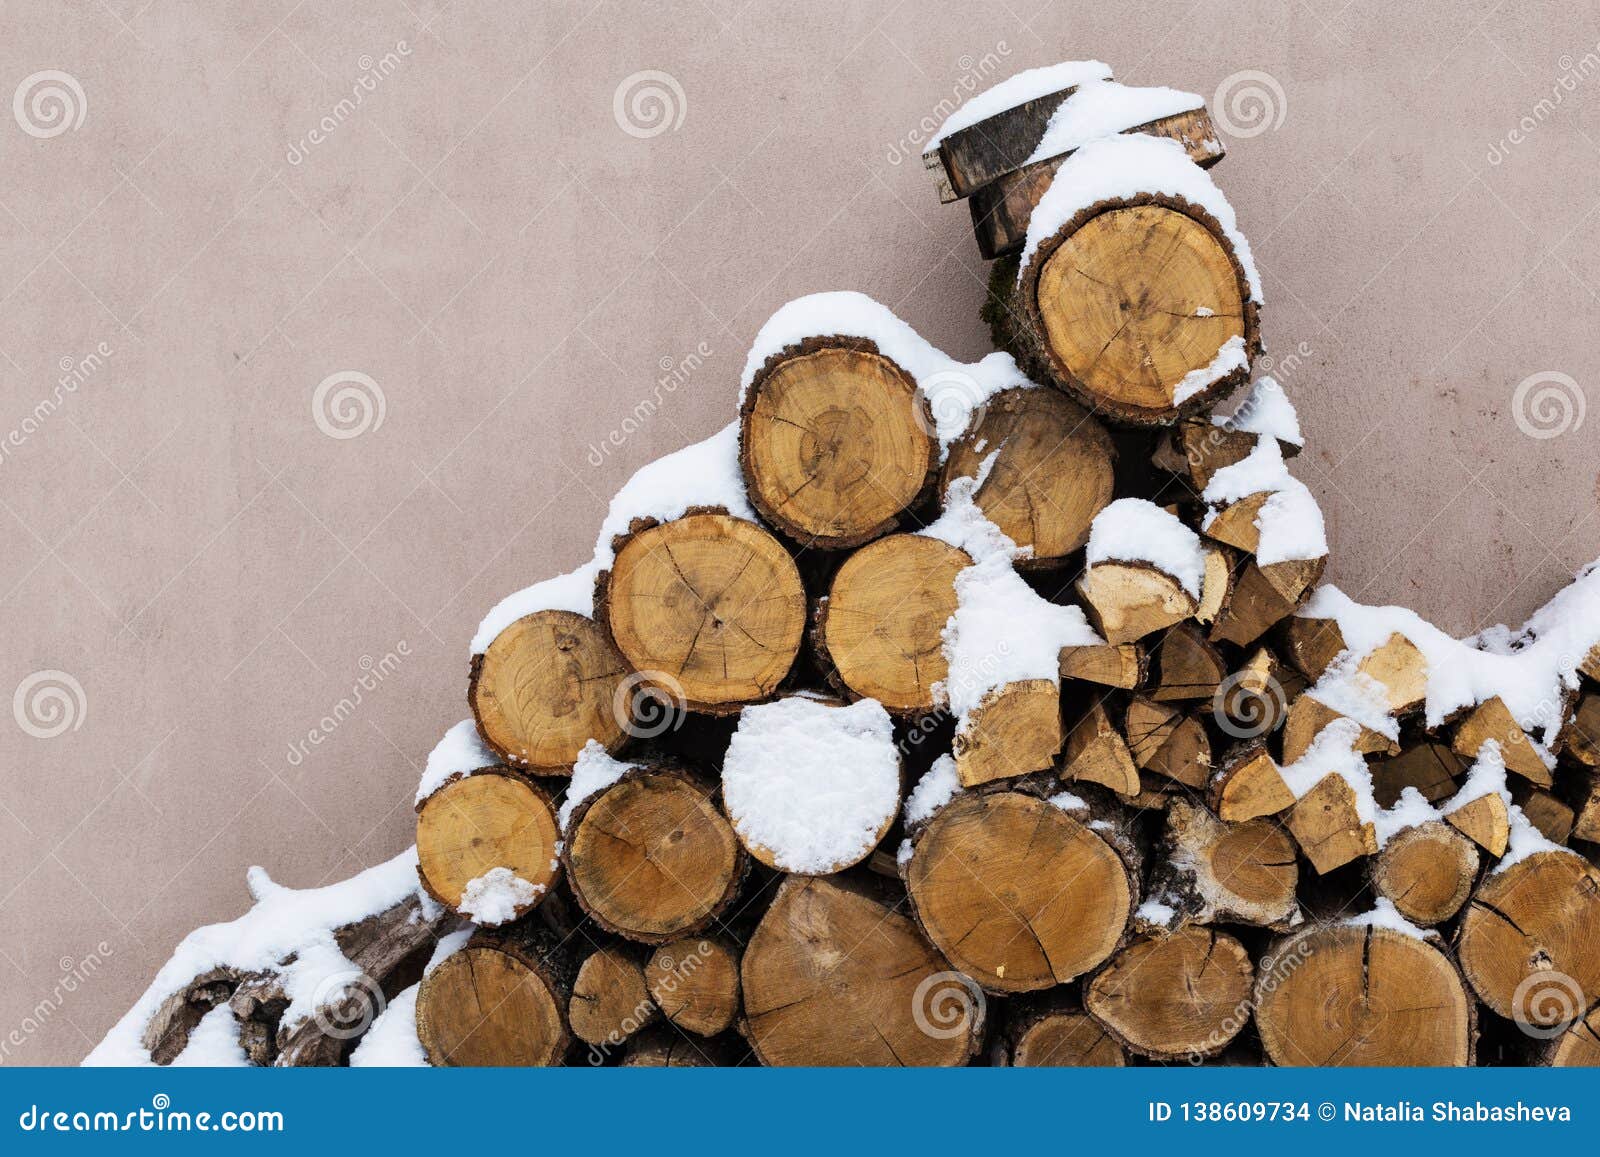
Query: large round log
[835, 442]
[500, 1001]
[1169, 996]
[709, 606]
[1017, 894]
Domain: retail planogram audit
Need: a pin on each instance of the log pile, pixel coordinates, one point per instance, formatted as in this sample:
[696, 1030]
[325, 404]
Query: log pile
[939, 713]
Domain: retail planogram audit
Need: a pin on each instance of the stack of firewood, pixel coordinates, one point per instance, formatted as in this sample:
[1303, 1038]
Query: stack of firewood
[946, 712]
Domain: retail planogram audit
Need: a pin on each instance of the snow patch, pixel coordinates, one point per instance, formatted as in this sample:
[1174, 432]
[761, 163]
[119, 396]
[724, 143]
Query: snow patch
[1104, 109]
[460, 752]
[1290, 521]
[497, 896]
[937, 787]
[594, 771]
[1265, 409]
[1385, 915]
[1016, 90]
[214, 1043]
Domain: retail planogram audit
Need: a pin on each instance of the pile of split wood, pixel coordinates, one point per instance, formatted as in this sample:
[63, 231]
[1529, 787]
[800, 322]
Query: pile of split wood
[938, 712]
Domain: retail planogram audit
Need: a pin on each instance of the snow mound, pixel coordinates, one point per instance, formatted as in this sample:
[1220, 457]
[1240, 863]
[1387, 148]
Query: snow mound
[460, 752]
[1290, 521]
[1133, 530]
[1265, 409]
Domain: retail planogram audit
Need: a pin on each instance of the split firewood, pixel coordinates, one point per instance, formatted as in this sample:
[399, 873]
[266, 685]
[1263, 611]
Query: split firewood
[709, 606]
[1486, 821]
[695, 983]
[1142, 339]
[1051, 471]
[609, 1000]
[833, 977]
[1401, 670]
[1096, 752]
[1581, 736]
[1432, 768]
[1172, 995]
[1248, 786]
[651, 857]
[1586, 807]
[1311, 644]
[1198, 447]
[1426, 872]
[1015, 730]
[1346, 994]
[1546, 812]
[1263, 596]
[1529, 942]
[835, 442]
[1128, 600]
[1055, 1033]
[1187, 665]
[1110, 665]
[969, 154]
[880, 629]
[1591, 664]
[1216, 591]
[1492, 719]
[1239, 873]
[544, 687]
[501, 1000]
[1255, 699]
[1002, 208]
[1055, 899]
[1305, 720]
[488, 846]
[1169, 743]
[1327, 825]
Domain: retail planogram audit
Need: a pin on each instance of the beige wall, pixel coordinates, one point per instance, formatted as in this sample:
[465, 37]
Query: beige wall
[511, 269]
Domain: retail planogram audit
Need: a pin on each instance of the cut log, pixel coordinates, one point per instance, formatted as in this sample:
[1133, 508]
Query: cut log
[1263, 596]
[1126, 299]
[609, 999]
[1254, 700]
[651, 857]
[1545, 811]
[1355, 995]
[881, 627]
[1051, 471]
[666, 1049]
[709, 606]
[1122, 665]
[1492, 719]
[971, 157]
[1127, 600]
[1327, 826]
[544, 687]
[500, 1001]
[1243, 873]
[1187, 666]
[1432, 768]
[1235, 523]
[832, 977]
[1311, 644]
[1586, 799]
[1016, 729]
[1426, 871]
[1174, 995]
[487, 846]
[835, 442]
[1249, 786]
[1165, 741]
[1529, 942]
[1002, 208]
[1016, 893]
[1216, 589]
[1485, 821]
[1056, 1035]
[695, 983]
[1097, 753]
[1200, 448]
[1306, 718]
